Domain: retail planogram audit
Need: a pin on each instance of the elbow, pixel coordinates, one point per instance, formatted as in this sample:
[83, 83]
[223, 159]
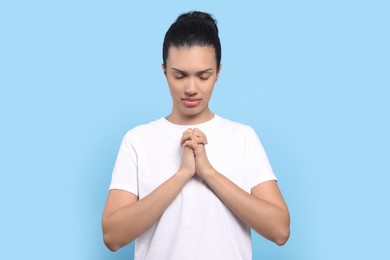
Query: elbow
[114, 239]
[110, 239]
[283, 232]
[110, 244]
[283, 237]
[113, 242]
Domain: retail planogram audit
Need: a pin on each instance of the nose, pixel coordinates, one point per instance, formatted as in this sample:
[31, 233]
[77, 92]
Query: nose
[190, 87]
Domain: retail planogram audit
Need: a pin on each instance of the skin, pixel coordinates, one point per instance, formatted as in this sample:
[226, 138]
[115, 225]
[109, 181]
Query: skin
[191, 74]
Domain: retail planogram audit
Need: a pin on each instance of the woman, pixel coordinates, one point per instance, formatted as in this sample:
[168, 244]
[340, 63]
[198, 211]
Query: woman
[193, 184]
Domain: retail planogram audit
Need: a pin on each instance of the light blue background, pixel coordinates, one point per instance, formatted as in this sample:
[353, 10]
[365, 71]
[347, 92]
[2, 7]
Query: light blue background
[312, 78]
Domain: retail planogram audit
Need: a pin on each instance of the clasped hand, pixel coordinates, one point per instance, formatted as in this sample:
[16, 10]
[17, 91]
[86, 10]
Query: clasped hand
[194, 157]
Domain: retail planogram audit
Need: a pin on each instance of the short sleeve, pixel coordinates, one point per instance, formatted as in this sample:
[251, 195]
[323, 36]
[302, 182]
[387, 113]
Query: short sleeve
[257, 166]
[125, 174]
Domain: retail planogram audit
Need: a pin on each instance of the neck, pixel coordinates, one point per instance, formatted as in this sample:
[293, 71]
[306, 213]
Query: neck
[179, 119]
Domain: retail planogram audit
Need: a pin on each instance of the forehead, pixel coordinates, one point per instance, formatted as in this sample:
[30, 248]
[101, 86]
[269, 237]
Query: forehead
[191, 58]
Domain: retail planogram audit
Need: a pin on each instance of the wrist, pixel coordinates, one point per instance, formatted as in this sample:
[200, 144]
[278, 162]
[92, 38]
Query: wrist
[208, 173]
[184, 175]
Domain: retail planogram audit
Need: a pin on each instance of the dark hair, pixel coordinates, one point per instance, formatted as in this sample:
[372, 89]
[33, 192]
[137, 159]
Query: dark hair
[193, 29]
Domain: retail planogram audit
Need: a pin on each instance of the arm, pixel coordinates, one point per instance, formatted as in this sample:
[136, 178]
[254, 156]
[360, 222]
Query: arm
[125, 217]
[264, 209]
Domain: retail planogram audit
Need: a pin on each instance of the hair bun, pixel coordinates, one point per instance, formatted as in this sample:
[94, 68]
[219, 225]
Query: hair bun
[193, 29]
[197, 16]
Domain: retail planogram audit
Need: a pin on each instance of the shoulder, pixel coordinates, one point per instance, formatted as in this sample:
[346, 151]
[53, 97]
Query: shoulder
[235, 126]
[143, 130]
[238, 131]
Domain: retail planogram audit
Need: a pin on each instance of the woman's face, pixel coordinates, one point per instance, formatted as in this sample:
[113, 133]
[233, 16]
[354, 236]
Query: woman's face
[191, 74]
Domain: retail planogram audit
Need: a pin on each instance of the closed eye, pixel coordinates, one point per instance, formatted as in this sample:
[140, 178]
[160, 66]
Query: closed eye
[179, 76]
[204, 76]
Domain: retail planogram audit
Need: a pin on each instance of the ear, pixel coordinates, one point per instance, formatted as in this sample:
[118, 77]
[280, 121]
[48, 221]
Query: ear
[164, 69]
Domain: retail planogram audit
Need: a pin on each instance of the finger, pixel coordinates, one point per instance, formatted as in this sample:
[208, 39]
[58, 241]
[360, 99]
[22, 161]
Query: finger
[198, 132]
[187, 135]
[201, 136]
[201, 140]
[189, 144]
[189, 130]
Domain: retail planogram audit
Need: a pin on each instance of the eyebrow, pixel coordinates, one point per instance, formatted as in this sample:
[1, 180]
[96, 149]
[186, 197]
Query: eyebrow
[198, 72]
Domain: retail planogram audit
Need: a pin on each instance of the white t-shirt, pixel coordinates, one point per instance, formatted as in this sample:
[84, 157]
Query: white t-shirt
[197, 224]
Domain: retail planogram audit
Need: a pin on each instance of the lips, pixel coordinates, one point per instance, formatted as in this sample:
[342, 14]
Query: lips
[191, 102]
